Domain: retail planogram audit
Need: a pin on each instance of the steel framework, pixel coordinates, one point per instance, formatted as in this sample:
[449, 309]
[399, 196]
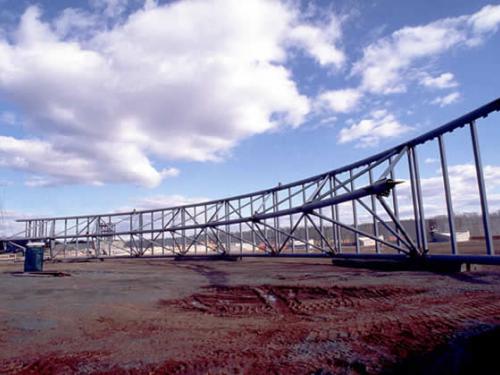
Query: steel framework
[296, 219]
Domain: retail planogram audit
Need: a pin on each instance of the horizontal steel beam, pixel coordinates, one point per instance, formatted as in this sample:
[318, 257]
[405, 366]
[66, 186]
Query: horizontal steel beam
[382, 187]
[468, 259]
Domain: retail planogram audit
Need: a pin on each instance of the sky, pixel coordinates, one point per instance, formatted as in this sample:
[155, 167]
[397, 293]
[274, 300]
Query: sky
[112, 104]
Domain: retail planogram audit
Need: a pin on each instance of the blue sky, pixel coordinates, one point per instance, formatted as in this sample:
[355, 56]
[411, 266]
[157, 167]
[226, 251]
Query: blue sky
[111, 104]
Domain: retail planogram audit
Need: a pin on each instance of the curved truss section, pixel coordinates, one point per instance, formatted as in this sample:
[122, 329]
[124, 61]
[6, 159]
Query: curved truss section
[353, 209]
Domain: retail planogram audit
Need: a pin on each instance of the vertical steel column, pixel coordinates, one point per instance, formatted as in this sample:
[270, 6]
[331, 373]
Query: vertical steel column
[374, 209]
[88, 236]
[322, 243]
[306, 226]
[266, 237]
[482, 189]
[414, 199]
[228, 227]
[183, 231]
[111, 232]
[162, 232]
[252, 212]
[151, 237]
[98, 236]
[447, 191]
[276, 221]
[131, 227]
[77, 248]
[423, 230]
[215, 218]
[205, 214]
[195, 244]
[332, 209]
[141, 237]
[354, 214]
[52, 239]
[65, 236]
[395, 204]
[290, 203]
[225, 236]
[220, 237]
[337, 215]
[240, 227]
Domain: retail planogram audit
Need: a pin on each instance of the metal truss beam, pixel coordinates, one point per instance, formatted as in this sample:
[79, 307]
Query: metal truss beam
[304, 215]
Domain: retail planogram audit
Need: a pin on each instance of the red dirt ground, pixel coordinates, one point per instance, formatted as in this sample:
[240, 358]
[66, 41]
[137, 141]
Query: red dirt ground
[248, 317]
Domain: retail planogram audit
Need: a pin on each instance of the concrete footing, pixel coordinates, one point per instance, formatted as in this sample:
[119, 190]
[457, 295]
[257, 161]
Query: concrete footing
[41, 274]
[211, 258]
[407, 265]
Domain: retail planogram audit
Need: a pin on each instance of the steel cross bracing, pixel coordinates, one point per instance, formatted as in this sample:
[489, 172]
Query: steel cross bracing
[307, 217]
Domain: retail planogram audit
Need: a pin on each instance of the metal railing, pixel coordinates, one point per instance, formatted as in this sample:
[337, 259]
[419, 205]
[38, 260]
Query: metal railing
[306, 217]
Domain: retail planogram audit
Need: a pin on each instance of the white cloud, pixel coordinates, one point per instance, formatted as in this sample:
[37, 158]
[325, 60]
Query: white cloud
[340, 100]
[320, 42]
[443, 101]
[486, 20]
[328, 121]
[431, 160]
[383, 62]
[443, 81]
[386, 64]
[368, 132]
[125, 163]
[182, 81]
[390, 64]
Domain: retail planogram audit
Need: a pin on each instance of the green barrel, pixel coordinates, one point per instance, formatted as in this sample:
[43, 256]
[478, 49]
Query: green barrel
[33, 259]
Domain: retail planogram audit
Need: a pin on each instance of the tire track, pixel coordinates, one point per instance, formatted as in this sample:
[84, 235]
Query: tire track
[287, 300]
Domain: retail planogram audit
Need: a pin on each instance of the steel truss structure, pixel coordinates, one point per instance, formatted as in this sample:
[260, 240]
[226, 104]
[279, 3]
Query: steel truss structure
[299, 218]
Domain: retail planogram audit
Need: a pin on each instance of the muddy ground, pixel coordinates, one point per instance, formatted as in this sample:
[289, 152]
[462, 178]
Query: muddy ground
[286, 316]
